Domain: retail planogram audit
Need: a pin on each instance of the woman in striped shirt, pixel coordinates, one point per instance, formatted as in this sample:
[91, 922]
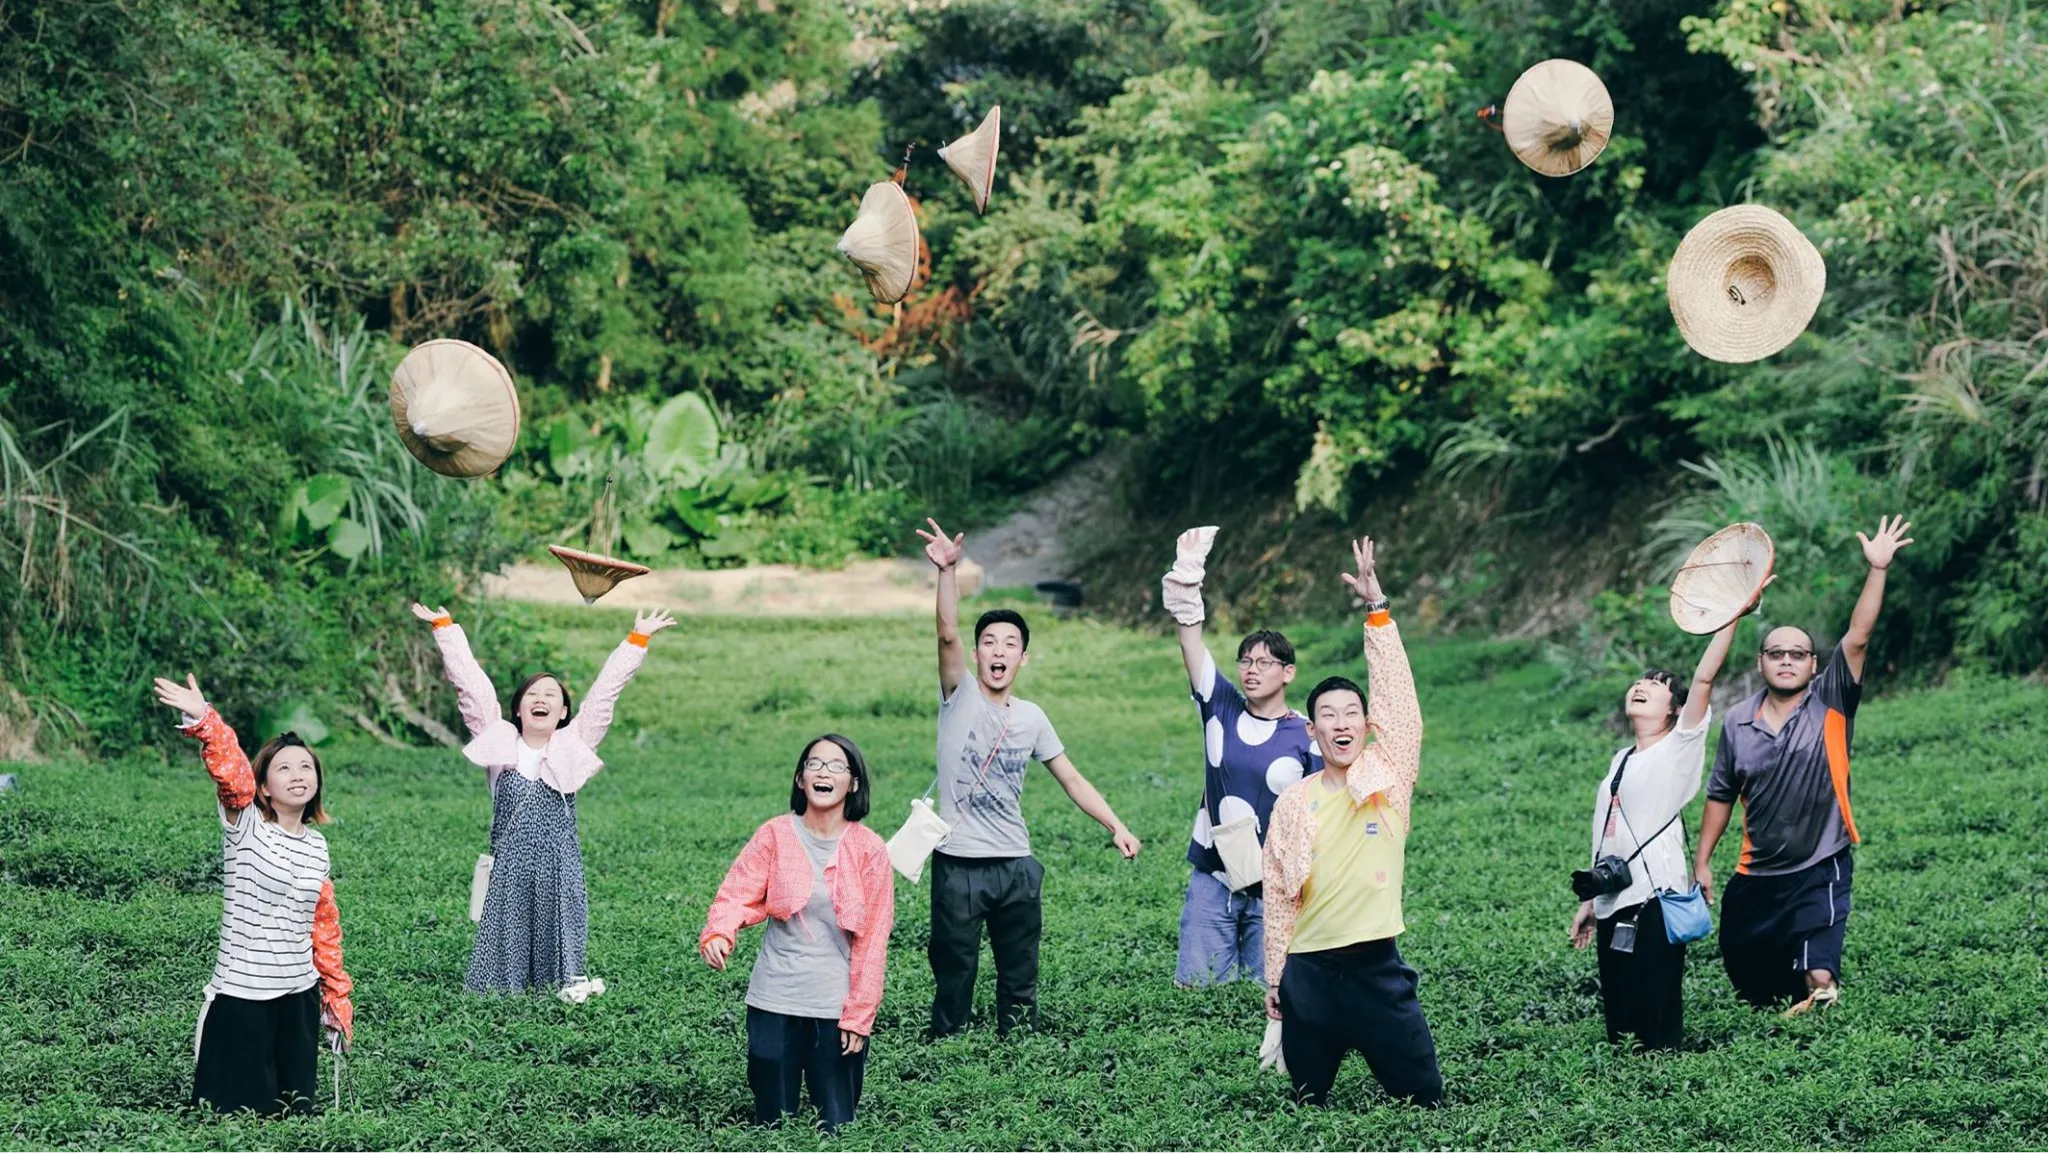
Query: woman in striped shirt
[277, 977]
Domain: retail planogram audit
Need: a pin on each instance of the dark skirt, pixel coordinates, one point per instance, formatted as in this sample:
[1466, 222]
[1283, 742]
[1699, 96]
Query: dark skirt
[1642, 992]
[260, 1055]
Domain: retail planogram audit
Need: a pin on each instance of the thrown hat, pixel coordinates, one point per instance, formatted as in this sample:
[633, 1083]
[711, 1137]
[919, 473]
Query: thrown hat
[882, 241]
[455, 407]
[973, 157]
[1557, 117]
[1721, 578]
[595, 575]
[1744, 283]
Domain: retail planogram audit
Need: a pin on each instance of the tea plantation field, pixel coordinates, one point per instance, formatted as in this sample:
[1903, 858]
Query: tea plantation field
[109, 901]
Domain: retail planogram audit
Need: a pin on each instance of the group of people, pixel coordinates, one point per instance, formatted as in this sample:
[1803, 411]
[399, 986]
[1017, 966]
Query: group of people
[1297, 854]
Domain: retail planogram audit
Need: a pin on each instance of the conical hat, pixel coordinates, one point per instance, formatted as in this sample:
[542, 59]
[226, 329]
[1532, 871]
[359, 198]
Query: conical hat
[882, 241]
[1557, 117]
[1744, 283]
[595, 575]
[455, 408]
[973, 157]
[1723, 575]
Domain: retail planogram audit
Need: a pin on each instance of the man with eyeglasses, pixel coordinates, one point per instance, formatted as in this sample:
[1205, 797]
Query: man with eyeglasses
[1254, 748]
[1784, 754]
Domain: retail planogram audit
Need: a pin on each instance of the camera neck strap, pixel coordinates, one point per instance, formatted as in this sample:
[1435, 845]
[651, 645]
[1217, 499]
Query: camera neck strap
[1614, 809]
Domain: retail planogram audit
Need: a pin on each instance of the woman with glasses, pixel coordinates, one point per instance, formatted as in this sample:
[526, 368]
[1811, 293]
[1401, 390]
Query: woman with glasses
[821, 881]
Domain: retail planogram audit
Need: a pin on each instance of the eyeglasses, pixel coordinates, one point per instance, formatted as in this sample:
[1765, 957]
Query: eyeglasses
[1263, 664]
[836, 768]
[1788, 654]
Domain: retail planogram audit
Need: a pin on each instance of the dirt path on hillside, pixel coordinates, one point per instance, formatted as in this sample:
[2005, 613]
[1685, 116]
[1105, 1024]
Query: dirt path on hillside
[1024, 549]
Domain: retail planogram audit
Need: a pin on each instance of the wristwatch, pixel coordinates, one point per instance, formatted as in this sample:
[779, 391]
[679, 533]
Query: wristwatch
[1376, 606]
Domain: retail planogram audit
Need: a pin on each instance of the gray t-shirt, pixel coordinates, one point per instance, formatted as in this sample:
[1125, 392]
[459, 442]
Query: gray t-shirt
[805, 964]
[988, 817]
[1787, 780]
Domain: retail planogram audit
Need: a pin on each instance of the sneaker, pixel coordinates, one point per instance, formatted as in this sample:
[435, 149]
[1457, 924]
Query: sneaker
[1819, 998]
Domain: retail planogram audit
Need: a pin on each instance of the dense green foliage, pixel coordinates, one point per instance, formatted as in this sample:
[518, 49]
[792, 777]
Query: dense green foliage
[1268, 247]
[109, 879]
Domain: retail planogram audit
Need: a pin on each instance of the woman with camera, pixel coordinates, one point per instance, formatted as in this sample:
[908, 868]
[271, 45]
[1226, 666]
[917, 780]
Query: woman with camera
[1646, 789]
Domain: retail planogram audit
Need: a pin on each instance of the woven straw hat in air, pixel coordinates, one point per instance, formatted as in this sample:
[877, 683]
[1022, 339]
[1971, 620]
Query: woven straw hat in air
[973, 157]
[1557, 117]
[595, 575]
[1723, 575]
[1744, 283]
[882, 241]
[455, 408]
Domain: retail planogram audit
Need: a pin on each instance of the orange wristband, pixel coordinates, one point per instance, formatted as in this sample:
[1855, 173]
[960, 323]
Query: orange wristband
[443, 622]
[637, 639]
[1380, 618]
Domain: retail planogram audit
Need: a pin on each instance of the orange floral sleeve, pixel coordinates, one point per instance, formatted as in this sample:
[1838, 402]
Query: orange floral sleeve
[335, 985]
[225, 761]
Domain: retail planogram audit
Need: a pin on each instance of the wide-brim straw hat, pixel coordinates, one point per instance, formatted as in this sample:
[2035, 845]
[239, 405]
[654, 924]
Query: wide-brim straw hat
[1744, 283]
[882, 241]
[1721, 578]
[455, 407]
[1557, 117]
[973, 157]
[595, 575]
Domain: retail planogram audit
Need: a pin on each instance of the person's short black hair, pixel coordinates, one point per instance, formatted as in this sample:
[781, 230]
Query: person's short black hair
[1333, 685]
[1276, 644]
[1003, 617]
[1680, 690]
[518, 694]
[857, 803]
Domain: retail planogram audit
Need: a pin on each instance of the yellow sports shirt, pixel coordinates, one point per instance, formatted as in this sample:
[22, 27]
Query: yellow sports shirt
[1354, 883]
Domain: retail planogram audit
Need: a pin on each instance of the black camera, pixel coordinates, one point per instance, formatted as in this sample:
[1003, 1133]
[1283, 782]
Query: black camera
[1608, 875]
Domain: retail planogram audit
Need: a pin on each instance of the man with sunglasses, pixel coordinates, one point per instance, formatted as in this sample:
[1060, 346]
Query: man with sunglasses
[1254, 748]
[1784, 754]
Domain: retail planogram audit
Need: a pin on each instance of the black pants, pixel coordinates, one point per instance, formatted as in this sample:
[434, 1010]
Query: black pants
[784, 1051]
[1004, 891]
[261, 1055]
[1776, 929]
[1358, 997]
[1642, 992]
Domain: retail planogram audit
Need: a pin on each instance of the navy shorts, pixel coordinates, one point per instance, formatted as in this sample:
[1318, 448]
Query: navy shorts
[1775, 929]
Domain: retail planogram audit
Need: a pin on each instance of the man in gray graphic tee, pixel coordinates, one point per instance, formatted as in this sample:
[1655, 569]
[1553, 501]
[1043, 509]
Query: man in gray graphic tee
[984, 870]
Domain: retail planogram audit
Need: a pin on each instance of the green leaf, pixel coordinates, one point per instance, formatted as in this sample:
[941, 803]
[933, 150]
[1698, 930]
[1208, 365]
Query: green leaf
[348, 539]
[290, 717]
[288, 516]
[326, 498]
[736, 543]
[569, 445]
[690, 507]
[645, 538]
[682, 443]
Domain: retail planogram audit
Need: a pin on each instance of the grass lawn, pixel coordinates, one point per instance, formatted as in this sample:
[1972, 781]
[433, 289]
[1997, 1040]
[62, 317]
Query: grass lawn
[110, 900]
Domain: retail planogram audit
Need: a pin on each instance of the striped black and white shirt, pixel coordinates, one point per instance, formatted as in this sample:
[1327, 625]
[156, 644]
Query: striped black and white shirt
[266, 922]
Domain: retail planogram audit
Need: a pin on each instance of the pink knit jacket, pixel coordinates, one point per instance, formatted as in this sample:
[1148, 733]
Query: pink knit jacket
[1388, 766]
[772, 878]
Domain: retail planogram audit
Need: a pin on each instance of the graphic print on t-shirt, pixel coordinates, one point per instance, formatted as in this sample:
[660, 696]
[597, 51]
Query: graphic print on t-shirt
[985, 809]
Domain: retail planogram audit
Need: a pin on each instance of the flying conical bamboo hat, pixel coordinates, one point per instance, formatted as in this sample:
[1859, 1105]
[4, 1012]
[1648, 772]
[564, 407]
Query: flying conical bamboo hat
[1744, 283]
[455, 408]
[973, 157]
[595, 575]
[1722, 578]
[882, 241]
[1557, 117]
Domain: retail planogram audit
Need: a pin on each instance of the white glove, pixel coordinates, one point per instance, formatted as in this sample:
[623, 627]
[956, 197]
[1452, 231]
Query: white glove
[1180, 590]
[1270, 1056]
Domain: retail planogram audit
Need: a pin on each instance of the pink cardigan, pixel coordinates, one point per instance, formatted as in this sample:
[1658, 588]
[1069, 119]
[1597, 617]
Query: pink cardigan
[570, 758]
[772, 878]
[1388, 767]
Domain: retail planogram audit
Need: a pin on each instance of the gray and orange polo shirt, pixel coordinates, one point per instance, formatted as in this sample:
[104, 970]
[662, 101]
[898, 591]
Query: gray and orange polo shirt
[1793, 784]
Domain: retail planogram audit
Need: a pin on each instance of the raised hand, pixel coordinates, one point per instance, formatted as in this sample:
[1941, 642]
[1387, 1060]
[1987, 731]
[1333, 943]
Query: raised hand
[652, 623]
[1891, 537]
[1758, 599]
[942, 551]
[185, 698]
[426, 614]
[1367, 583]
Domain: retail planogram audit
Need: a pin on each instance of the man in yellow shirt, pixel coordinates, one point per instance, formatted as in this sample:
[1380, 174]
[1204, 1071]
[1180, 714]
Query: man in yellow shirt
[1334, 858]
